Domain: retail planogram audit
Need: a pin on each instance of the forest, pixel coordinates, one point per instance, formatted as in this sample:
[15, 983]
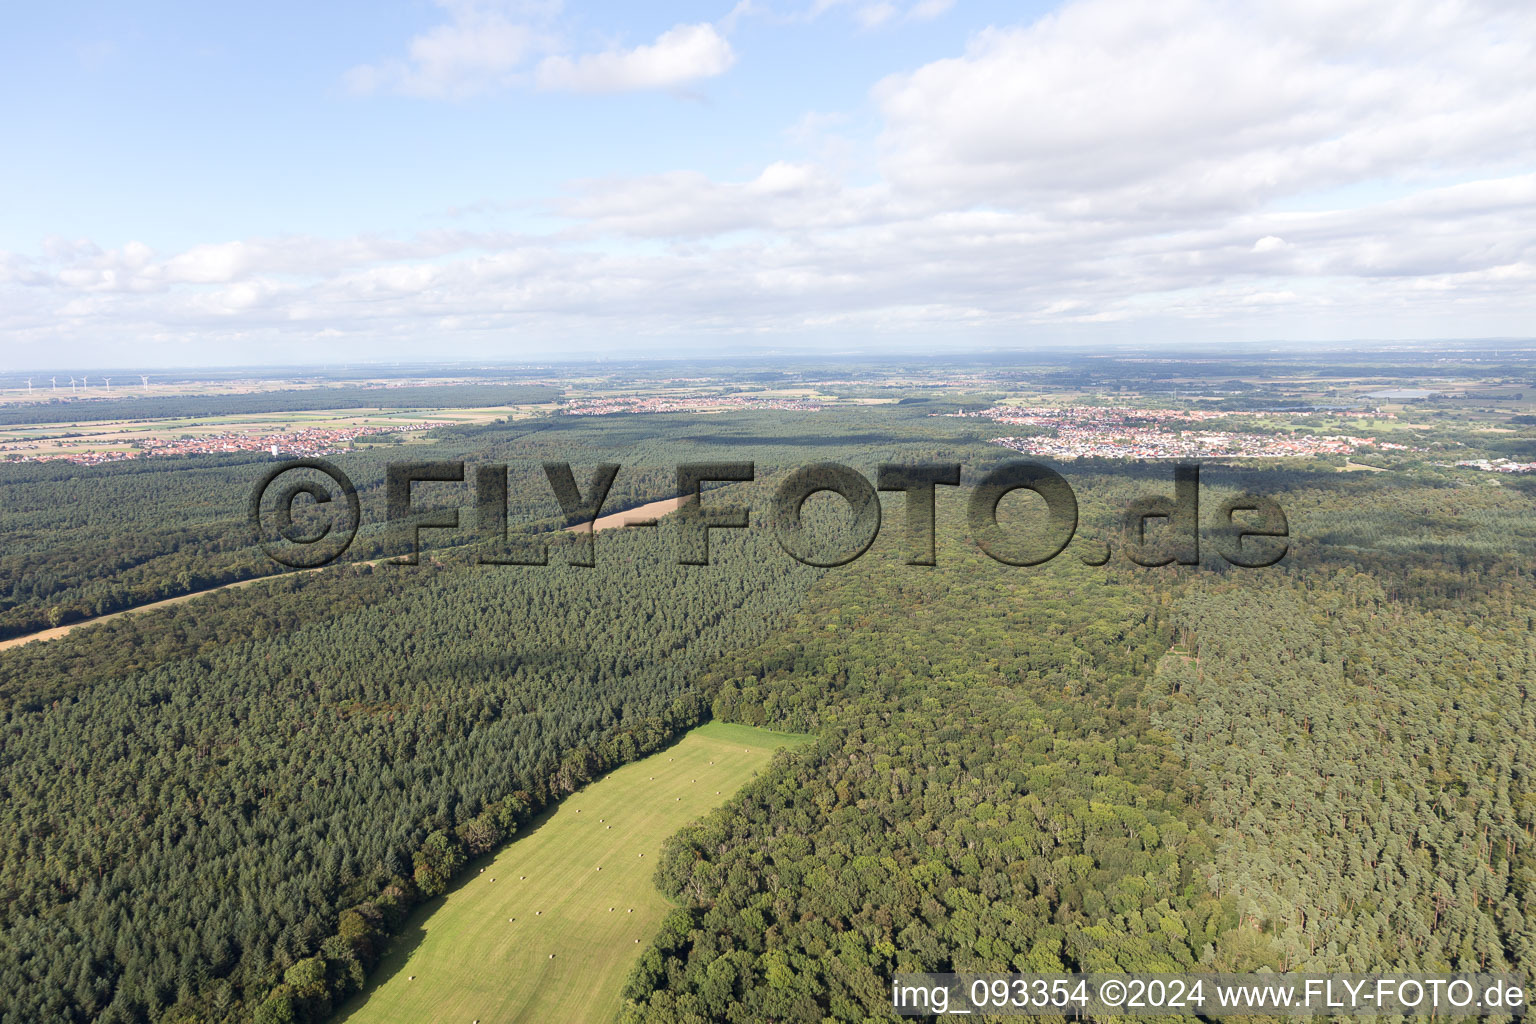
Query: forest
[165, 772]
[1326, 766]
[220, 811]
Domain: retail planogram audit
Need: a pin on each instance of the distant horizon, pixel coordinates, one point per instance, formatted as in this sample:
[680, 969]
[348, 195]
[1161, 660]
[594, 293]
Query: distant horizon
[126, 378]
[1172, 352]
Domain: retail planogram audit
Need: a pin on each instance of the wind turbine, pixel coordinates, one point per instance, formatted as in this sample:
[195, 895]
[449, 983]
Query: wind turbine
[29, 385]
[55, 383]
[109, 384]
[145, 378]
[71, 385]
[85, 381]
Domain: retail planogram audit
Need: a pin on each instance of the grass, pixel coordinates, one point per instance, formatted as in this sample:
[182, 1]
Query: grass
[483, 952]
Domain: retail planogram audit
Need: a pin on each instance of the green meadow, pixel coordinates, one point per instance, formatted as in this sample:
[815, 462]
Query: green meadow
[548, 928]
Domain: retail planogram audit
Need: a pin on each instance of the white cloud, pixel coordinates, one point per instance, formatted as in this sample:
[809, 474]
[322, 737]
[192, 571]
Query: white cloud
[1320, 168]
[884, 12]
[791, 254]
[876, 14]
[784, 197]
[208, 264]
[926, 9]
[1115, 106]
[490, 45]
[868, 14]
[482, 47]
[462, 56]
[682, 54]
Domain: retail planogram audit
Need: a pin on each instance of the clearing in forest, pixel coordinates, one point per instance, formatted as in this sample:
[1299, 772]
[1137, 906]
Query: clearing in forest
[540, 934]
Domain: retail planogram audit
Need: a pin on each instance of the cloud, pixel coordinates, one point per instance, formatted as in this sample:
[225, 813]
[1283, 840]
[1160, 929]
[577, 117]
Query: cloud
[482, 47]
[491, 46]
[1196, 169]
[869, 14]
[784, 197]
[876, 14]
[466, 56]
[790, 254]
[682, 54]
[1192, 105]
[926, 9]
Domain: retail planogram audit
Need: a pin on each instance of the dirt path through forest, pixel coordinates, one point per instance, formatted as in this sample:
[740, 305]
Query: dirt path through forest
[654, 510]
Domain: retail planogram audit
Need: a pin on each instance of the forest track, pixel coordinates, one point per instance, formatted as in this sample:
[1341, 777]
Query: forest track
[57, 631]
[639, 515]
[629, 517]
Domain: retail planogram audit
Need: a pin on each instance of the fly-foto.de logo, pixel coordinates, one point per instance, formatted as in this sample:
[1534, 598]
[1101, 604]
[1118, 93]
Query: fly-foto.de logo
[331, 514]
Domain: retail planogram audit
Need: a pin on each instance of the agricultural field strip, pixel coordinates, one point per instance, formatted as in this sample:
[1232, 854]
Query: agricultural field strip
[128, 431]
[548, 929]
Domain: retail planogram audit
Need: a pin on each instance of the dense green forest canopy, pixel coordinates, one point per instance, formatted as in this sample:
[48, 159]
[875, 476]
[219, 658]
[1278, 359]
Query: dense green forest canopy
[219, 811]
[1325, 768]
[166, 772]
[83, 542]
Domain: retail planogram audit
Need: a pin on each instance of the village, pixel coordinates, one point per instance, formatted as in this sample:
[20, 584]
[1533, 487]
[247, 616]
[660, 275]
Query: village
[1114, 416]
[307, 443]
[1499, 465]
[1118, 433]
[610, 406]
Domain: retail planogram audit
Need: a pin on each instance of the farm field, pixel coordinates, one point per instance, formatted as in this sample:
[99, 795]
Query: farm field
[124, 435]
[14, 390]
[548, 928]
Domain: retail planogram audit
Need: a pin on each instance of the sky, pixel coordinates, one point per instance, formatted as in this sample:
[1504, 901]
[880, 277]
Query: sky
[218, 184]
